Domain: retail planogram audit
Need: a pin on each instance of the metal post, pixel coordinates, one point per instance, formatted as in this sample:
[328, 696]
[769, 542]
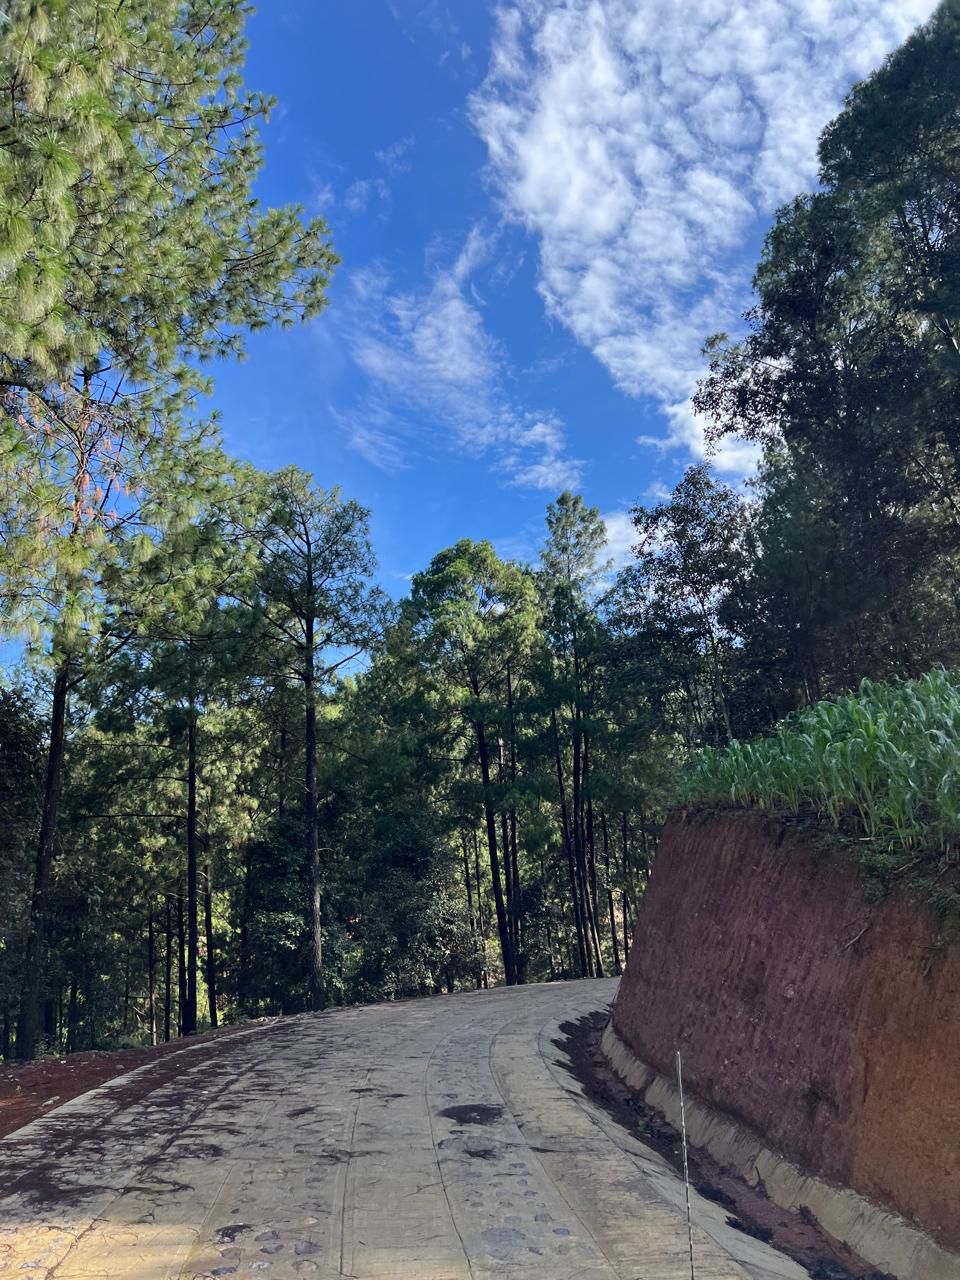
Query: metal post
[686, 1171]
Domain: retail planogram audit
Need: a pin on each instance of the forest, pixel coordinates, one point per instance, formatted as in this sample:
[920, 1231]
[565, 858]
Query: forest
[238, 778]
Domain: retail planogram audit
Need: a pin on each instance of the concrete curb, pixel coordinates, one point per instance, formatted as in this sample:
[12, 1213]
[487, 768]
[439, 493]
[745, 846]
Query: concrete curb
[880, 1237]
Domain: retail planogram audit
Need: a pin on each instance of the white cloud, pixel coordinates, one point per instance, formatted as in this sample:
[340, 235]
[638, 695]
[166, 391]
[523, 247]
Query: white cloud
[395, 157]
[322, 196]
[358, 195]
[642, 145]
[436, 378]
[621, 537]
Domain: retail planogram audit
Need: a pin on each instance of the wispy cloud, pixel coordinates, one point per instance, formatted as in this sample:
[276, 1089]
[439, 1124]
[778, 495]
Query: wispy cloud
[621, 537]
[396, 157]
[363, 194]
[358, 195]
[643, 145]
[436, 378]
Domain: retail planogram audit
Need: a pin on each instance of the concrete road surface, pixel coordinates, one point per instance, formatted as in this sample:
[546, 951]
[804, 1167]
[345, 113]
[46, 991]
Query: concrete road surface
[432, 1140]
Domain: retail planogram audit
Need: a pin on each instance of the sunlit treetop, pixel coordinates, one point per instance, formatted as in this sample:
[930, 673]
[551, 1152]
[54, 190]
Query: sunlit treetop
[130, 242]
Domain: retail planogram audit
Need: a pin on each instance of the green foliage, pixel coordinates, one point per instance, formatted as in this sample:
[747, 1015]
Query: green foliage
[130, 242]
[371, 800]
[884, 758]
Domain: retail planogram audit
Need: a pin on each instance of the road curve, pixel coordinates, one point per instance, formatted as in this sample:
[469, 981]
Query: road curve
[437, 1139]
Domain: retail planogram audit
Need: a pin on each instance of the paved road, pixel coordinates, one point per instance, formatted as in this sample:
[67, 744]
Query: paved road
[433, 1140]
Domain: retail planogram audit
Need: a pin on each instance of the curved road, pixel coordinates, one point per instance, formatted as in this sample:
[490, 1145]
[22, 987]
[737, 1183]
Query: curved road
[432, 1140]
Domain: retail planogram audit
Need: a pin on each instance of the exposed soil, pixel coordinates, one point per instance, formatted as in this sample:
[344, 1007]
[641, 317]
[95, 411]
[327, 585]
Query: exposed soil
[826, 1023]
[797, 1235]
[31, 1089]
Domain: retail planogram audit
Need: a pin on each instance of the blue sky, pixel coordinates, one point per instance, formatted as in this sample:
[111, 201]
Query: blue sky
[543, 207]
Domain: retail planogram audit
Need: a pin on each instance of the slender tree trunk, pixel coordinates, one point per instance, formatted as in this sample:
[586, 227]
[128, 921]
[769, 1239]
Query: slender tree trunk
[592, 883]
[28, 1027]
[167, 967]
[586, 915]
[506, 949]
[518, 912]
[181, 961]
[617, 967]
[246, 912]
[152, 976]
[126, 992]
[73, 1015]
[282, 762]
[317, 988]
[7, 1030]
[211, 953]
[50, 1014]
[91, 1005]
[546, 918]
[518, 949]
[473, 923]
[507, 869]
[627, 921]
[189, 1017]
[565, 832]
[482, 924]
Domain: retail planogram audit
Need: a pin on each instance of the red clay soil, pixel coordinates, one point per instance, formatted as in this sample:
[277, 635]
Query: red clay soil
[31, 1089]
[827, 1025]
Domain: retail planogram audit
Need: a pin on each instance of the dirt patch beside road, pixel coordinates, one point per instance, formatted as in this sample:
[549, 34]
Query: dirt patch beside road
[29, 1090]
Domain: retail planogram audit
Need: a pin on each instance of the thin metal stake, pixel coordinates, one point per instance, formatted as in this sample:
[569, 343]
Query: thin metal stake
[686, 1172]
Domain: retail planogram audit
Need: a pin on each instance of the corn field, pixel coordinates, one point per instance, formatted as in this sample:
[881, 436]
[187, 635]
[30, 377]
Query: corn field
[887, 756]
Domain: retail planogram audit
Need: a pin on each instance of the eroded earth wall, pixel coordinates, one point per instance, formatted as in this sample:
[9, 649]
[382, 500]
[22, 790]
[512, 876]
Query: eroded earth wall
[829, 1026]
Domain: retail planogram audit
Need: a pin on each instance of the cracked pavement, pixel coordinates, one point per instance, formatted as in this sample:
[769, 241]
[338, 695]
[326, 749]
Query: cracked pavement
[439, 1139]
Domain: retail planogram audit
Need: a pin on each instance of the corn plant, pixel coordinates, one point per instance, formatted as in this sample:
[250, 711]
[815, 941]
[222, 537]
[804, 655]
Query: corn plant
[886, 758]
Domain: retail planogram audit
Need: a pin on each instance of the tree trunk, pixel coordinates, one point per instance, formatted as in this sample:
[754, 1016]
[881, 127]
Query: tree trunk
[482, 924]
[28, 1027]
[568, 850]
[473, 923]
[152, 976]
[591, 860]
[126, 992]
[181, 961]
[508, 880]
[50, 1014]
[211, 954]
[189, 1018]
[506, 949]
[583, 888]
[627, 922]
[282, 762]
[514, 852]
[617, 967]
[317, 991]
[167, 968]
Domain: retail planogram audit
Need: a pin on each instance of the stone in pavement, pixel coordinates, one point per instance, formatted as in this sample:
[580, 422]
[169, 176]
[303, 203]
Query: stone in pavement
[431, 1140]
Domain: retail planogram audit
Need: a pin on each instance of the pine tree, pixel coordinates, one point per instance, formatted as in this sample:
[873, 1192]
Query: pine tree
[130, 249]
[130, 242]
[318, 611]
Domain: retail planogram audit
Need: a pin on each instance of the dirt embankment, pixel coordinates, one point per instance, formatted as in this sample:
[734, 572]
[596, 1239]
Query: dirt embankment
[829, 1026]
